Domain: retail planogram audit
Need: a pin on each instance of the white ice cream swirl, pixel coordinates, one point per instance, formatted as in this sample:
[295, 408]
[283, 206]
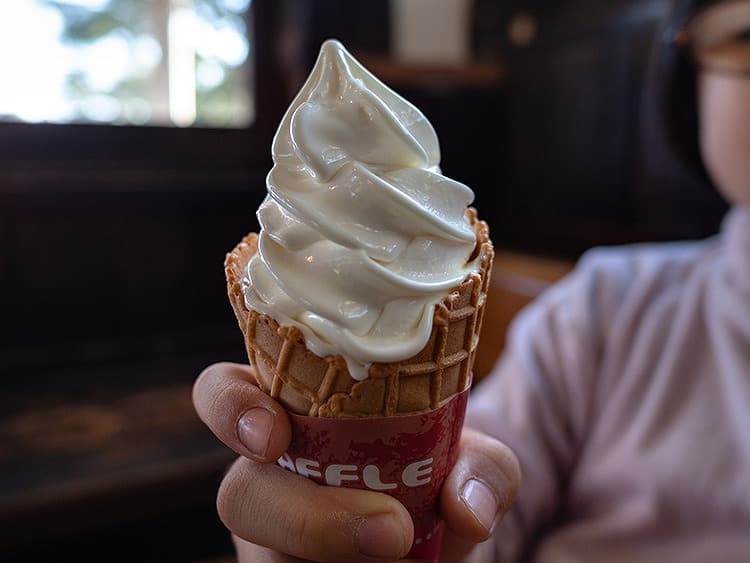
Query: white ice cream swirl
[361, 235]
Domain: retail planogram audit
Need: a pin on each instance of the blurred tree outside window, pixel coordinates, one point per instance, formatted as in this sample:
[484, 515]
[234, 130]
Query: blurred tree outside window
[127, 62]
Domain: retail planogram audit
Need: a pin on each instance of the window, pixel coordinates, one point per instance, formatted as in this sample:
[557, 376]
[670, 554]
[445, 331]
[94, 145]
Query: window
[127, 62]
[57, 141]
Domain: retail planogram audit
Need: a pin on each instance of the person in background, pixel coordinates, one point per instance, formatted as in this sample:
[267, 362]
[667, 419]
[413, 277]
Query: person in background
[623, 394]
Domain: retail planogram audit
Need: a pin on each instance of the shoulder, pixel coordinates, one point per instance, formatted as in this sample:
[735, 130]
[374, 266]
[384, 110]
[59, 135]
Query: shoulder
[606, 279]
[635, 260]
[637, 269]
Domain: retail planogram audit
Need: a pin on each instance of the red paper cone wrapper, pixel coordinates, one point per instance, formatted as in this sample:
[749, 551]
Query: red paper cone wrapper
[407, 457]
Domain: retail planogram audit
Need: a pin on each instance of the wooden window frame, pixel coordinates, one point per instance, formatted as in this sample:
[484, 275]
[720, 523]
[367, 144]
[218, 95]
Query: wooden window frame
[44, 156]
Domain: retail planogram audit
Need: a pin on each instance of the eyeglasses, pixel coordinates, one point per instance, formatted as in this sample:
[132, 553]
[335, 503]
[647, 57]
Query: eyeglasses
[719, 37]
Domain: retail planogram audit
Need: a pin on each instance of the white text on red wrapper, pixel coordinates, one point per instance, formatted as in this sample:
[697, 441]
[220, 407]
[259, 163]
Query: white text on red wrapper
[415, 474]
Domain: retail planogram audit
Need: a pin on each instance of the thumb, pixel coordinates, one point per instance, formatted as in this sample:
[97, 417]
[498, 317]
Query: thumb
[479, 490]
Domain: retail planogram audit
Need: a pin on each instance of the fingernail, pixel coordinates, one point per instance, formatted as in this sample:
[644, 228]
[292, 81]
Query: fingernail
[255, 430]
[381, 535]
[479, 499]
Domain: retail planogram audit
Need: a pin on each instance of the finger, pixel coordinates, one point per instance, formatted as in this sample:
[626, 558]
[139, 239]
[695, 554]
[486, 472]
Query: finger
[457, 549]
[252, 553]
[481, 487]
[242, 416]
[247, 552]
[272, 507]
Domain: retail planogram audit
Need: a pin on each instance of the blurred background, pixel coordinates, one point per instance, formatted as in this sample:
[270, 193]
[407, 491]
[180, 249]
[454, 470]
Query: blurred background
[134, 142]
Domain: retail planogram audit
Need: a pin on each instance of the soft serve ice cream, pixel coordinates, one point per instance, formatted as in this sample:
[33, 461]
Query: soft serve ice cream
[361, 235]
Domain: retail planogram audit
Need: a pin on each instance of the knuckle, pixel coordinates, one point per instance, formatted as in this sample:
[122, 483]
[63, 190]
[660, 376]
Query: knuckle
[225, 498]
[211, 372]
[325, 531]
[496, 462]
[309, 530]
[505, 467]
[222, 398]
[303, 526]
[279, 524]
[205, 387]
[234, 496]
[202, 381]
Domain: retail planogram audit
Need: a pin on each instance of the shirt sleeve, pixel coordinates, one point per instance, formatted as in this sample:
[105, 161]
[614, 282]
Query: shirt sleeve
[537, 398]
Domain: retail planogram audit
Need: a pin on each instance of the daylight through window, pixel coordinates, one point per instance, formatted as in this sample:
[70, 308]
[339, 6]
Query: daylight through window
[126, 62]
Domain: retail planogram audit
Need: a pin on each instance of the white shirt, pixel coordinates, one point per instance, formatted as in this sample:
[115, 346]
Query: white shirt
[625, 392]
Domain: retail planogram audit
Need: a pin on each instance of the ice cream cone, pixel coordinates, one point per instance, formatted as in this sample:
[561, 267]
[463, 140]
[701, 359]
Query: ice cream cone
[307, 384]
[366, 253]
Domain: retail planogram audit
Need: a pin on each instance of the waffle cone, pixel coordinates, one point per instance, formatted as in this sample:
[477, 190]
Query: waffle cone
[308, 384]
